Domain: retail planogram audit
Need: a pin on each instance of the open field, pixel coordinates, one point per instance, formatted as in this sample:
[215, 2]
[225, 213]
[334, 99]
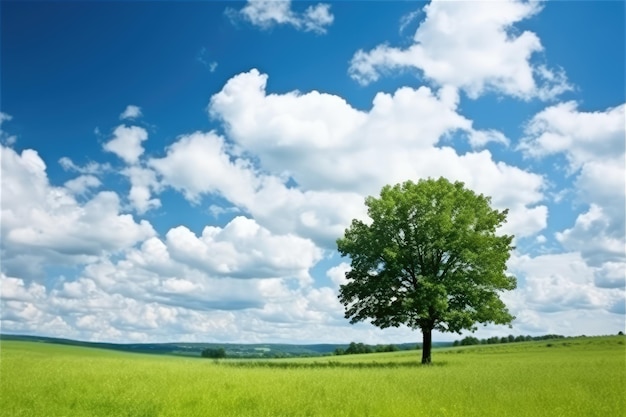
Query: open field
[571, 377]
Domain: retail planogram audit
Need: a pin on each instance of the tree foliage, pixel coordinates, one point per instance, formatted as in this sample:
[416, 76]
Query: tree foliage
[430, 258]
[215, 353]
[357, 348]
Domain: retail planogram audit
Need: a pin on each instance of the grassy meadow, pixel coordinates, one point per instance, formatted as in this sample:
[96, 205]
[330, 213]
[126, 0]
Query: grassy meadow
[567, 377]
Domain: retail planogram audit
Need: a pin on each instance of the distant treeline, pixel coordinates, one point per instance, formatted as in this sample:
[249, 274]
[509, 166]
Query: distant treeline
[274, 351]
[352, 349]
[214, 353]
[471, 340]
[220, 353]
[359, 348]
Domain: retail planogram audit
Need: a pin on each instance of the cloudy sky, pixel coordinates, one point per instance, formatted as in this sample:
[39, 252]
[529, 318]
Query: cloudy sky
[181, 171]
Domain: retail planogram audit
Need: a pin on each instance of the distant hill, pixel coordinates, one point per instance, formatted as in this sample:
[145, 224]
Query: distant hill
[243, 350]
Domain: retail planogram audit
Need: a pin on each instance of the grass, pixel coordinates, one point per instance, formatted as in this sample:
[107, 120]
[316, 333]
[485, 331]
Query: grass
[571, 377]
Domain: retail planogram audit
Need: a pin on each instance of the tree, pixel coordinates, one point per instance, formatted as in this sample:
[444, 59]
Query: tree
[470, 340]
[430, 258]
[215, 353]
[357, 348]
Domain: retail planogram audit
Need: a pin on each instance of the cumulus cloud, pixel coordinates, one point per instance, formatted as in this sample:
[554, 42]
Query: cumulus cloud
[126, 143]
[180, 287]
[80, 185]
[143, 183]
[593, 145]
[327, 147]
[43, 224]
[202, 164]
[131, 112]
[195, 309]
[472, 46]
[238, 267]
[337, 273]
[561, 293]
[336, 155]
[268, 13]
[199, 163]
[563, 284]
[582, 136]
[611, 275]
[480, 138]
[243, 249]
[225, 311]
[594, 236]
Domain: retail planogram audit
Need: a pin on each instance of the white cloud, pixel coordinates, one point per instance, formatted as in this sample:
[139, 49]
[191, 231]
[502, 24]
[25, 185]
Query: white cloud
[217, 210]
[143, 182]
[184, 287]
[472, 46]
[593, 144]
[14, 289]
[480, 138]
[199, 163]
[598, 233]
[131, 112]
[80, 185]
[316, 18]
[594, 237]
[560, 282]
[45, 225]
[337, 273]
[192, 308]
[126, 143]
[562, 294]
[267, 13]
[91, 168]
[581, 136]
[243, 249]
[611, 275]
[328, 147]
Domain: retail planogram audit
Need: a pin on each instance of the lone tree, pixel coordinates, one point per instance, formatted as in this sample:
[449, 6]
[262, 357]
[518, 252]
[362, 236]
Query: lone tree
[430, 259]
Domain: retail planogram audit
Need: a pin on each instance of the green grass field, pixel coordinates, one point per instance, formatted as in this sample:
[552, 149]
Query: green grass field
[571, 377]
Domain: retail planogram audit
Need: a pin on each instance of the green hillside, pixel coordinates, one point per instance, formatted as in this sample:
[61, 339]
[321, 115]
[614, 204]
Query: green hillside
[571, 377]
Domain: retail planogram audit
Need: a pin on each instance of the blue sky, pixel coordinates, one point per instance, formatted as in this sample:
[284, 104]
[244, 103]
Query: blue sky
[181, 170]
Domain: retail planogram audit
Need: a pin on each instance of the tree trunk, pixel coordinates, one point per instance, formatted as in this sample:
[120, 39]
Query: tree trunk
[427, 346]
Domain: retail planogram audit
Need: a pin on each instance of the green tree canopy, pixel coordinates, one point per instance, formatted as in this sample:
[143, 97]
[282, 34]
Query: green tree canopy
[215, 353]
[430, 258]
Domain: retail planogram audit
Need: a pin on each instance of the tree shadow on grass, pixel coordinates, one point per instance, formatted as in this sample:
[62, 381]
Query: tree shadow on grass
[330, 364]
